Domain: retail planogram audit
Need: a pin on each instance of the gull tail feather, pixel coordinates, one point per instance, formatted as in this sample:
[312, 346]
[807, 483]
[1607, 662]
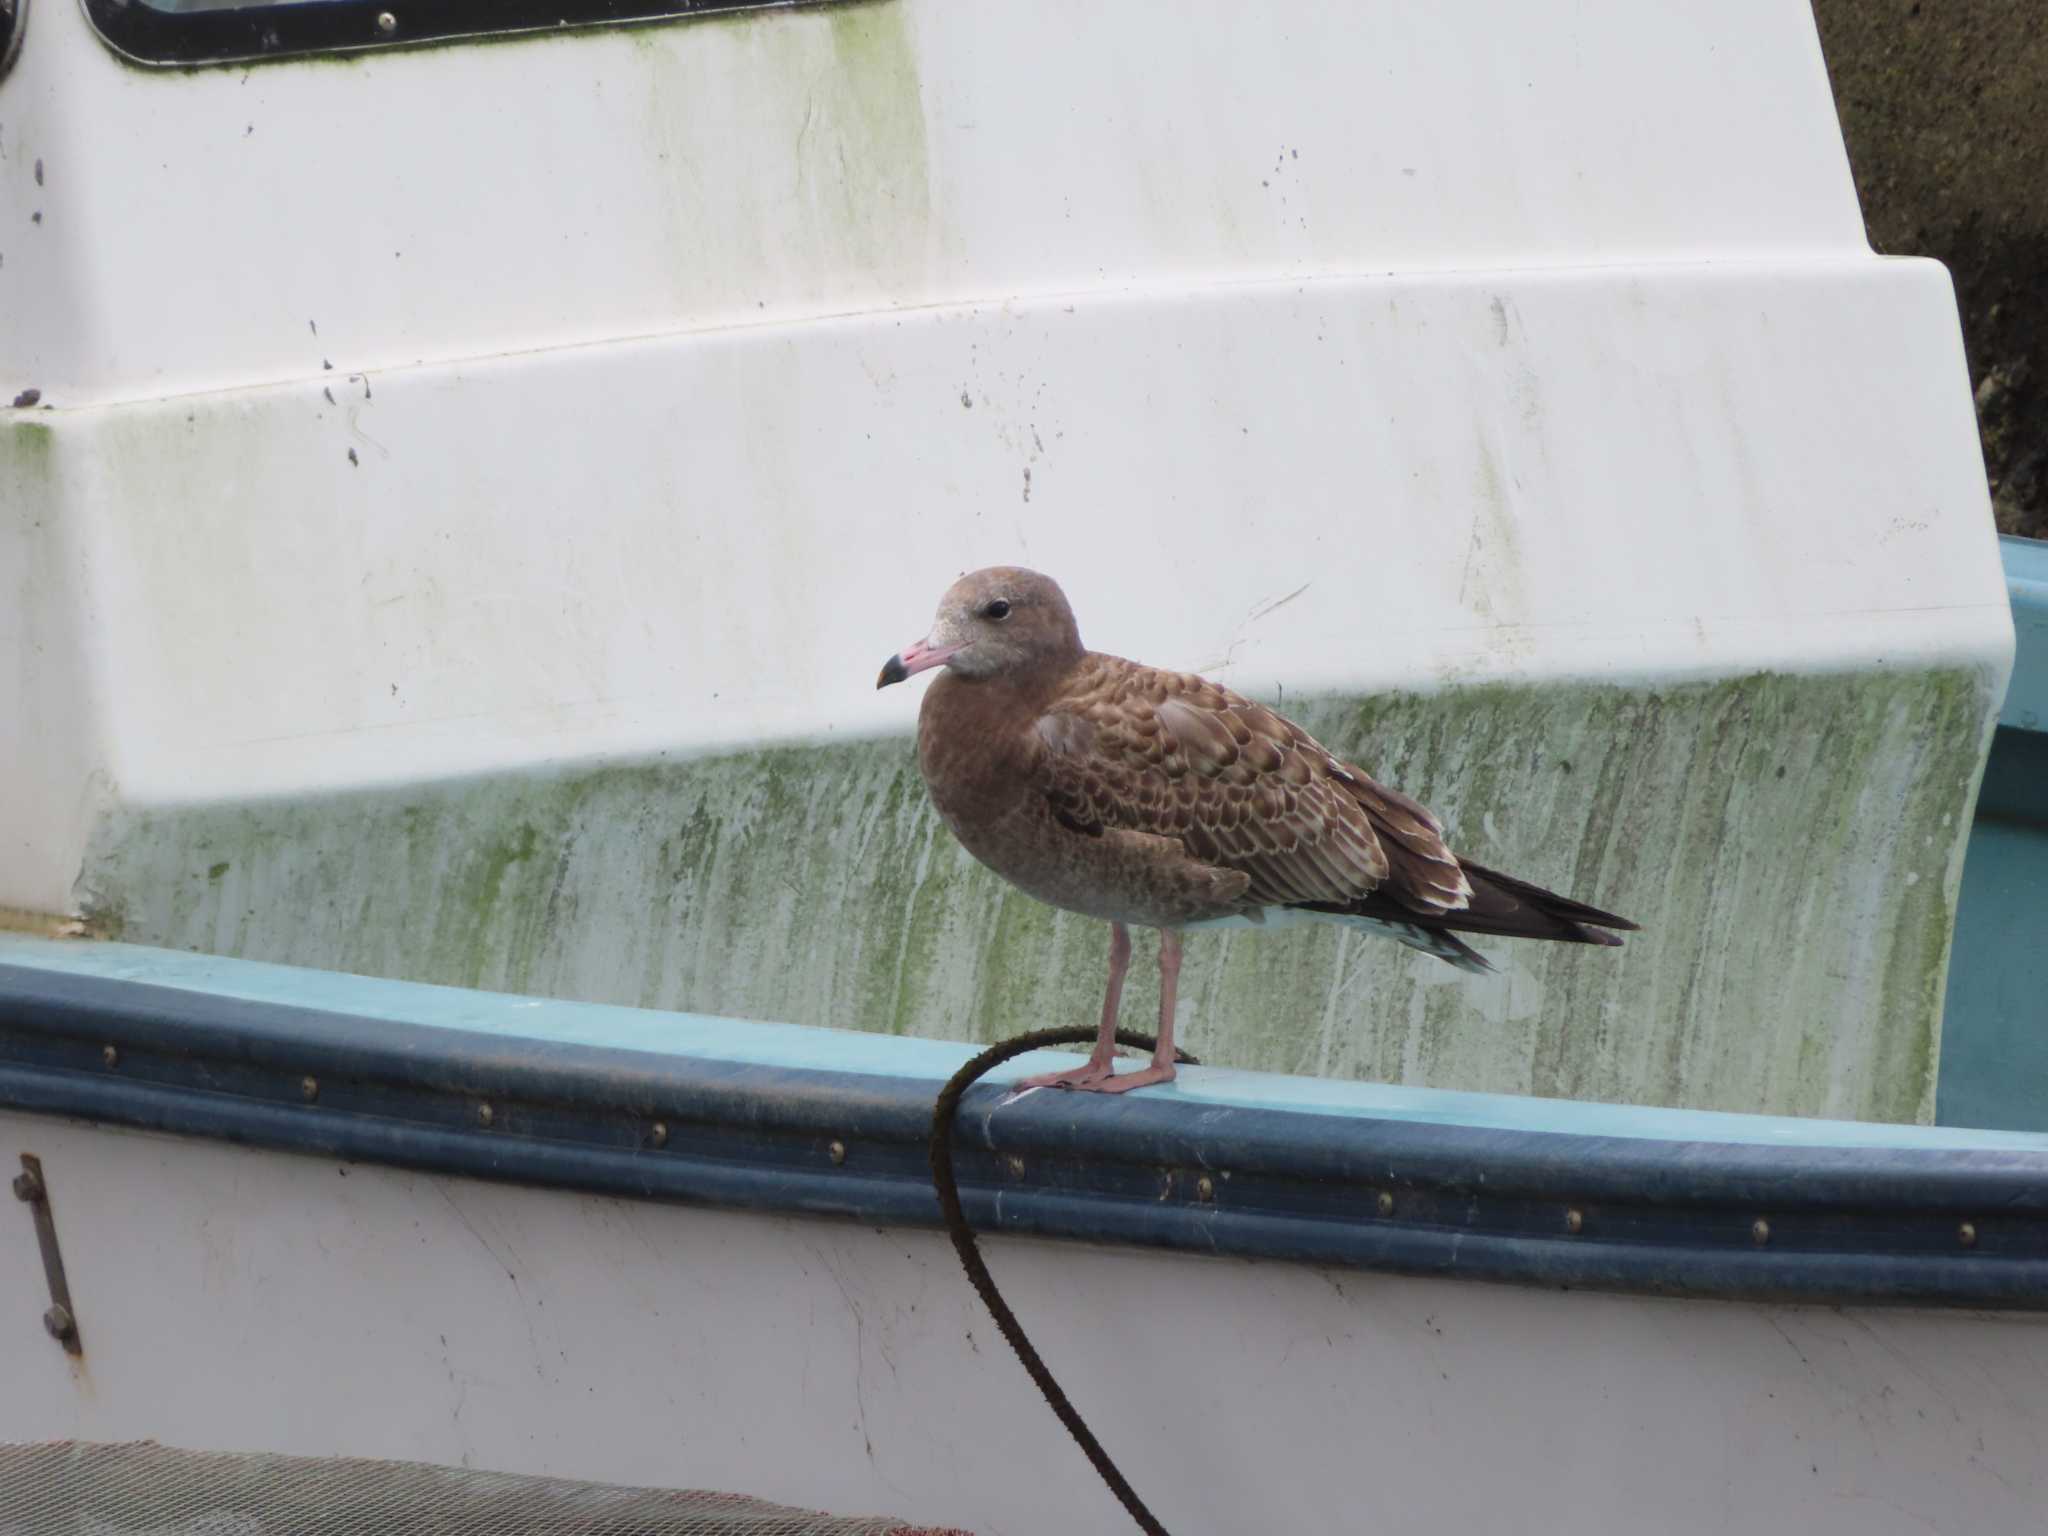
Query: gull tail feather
[1501, 906]
[1533, 903]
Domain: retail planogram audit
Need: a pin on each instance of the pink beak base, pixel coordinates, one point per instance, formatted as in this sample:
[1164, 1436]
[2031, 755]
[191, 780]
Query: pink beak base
[919, 657]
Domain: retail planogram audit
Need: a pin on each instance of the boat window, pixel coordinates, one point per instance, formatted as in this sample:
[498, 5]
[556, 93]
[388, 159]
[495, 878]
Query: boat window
[242, 31]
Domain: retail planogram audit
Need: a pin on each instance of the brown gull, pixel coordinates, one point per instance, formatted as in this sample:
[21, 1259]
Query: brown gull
[1142, 796]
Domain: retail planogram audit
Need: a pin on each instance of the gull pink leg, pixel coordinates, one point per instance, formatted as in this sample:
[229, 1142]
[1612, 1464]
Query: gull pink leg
[1161, 1070]
[1099, 1063]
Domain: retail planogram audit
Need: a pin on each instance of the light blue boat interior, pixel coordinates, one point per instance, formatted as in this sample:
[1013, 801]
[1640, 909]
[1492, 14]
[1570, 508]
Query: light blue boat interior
[1994, 1050]
[800, 1047]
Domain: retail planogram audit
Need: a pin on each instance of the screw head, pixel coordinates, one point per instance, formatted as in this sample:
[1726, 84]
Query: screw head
[1575, 1221]
[1966, 1234]
[1760, 1231]
[658, 1133]
[309, 1088]
[485, 1114]
[58, 1322]
[1205, 1188]
[1386, 1203]
[837, 1151]
[110, 1056]
[1016, 1166]
[386, 23]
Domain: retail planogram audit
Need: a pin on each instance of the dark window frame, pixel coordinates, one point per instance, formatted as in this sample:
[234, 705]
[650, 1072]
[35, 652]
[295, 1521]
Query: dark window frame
[245, 34]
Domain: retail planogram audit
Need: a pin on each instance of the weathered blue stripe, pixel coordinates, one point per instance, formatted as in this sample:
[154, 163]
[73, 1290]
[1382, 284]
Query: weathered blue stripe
[1881, 1221]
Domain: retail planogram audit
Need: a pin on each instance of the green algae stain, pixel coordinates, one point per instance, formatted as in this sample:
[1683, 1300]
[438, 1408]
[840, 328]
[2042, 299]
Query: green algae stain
[27, 503]
[792, 147]
[1791, 846]
[862, 145]
[479, 929]
[26, 449]
[879, 90]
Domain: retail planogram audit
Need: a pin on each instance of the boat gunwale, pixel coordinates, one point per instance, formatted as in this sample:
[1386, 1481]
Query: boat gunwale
[1936, 1224]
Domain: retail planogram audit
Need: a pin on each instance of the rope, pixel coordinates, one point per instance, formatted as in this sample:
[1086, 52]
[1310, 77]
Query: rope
[977, 1271]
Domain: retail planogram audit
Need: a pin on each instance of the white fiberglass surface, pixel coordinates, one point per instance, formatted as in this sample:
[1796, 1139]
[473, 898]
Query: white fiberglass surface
[1343, 488]
[793, 163]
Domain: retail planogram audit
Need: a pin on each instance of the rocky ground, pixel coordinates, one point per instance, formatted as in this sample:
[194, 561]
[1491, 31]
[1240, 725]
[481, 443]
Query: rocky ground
[1944, 105]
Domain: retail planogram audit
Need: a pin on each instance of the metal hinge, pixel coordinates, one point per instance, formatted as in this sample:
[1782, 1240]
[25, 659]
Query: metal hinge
[59, 1321]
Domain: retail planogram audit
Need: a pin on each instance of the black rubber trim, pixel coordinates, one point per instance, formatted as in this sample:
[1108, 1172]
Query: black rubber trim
[252, 33]
[1933, 1226]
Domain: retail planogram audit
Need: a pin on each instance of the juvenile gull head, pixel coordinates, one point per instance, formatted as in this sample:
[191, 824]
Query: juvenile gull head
[1002, 621]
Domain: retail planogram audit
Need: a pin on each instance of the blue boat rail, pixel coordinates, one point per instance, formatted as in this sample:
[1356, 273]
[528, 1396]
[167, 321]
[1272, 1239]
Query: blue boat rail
[786, 1118]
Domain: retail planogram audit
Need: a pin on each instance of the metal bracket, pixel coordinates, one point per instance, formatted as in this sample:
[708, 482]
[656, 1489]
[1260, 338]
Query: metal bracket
[59, 1321]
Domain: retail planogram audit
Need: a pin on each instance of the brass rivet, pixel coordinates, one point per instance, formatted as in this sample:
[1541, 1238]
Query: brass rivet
[658, 1133]
[1205, 1188]
[837, 1151]
[1967, 1234]
[1760, 1230]
[1575, 1220]
[1016, 1166]
[309, 1088]
[1386, 1203]
[110, 1056]
[386, 23]
[484, 1114]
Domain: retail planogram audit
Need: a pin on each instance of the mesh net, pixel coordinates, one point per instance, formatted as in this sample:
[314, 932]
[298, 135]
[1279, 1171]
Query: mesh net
[70, 1488]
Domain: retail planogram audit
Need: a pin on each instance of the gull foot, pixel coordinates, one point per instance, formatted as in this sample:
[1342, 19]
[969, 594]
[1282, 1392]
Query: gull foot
[1073, 1077]
[1124, 1082]
[1094, 1079]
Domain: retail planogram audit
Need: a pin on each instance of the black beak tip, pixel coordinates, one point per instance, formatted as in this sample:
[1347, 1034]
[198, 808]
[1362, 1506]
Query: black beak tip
[892, 672]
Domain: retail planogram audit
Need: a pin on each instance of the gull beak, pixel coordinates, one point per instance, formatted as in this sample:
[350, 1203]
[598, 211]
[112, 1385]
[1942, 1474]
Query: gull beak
[921, 657]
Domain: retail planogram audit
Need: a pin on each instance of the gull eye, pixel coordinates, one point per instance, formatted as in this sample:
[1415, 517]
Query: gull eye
[999, 609]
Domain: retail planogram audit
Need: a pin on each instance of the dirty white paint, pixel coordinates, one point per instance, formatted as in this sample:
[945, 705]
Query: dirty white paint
[1387, 352]
[774, 167]
[712, 542]
[238, 1300]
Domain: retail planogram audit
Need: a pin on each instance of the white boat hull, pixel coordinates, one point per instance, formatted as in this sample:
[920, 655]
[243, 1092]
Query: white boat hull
[249, 1300]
